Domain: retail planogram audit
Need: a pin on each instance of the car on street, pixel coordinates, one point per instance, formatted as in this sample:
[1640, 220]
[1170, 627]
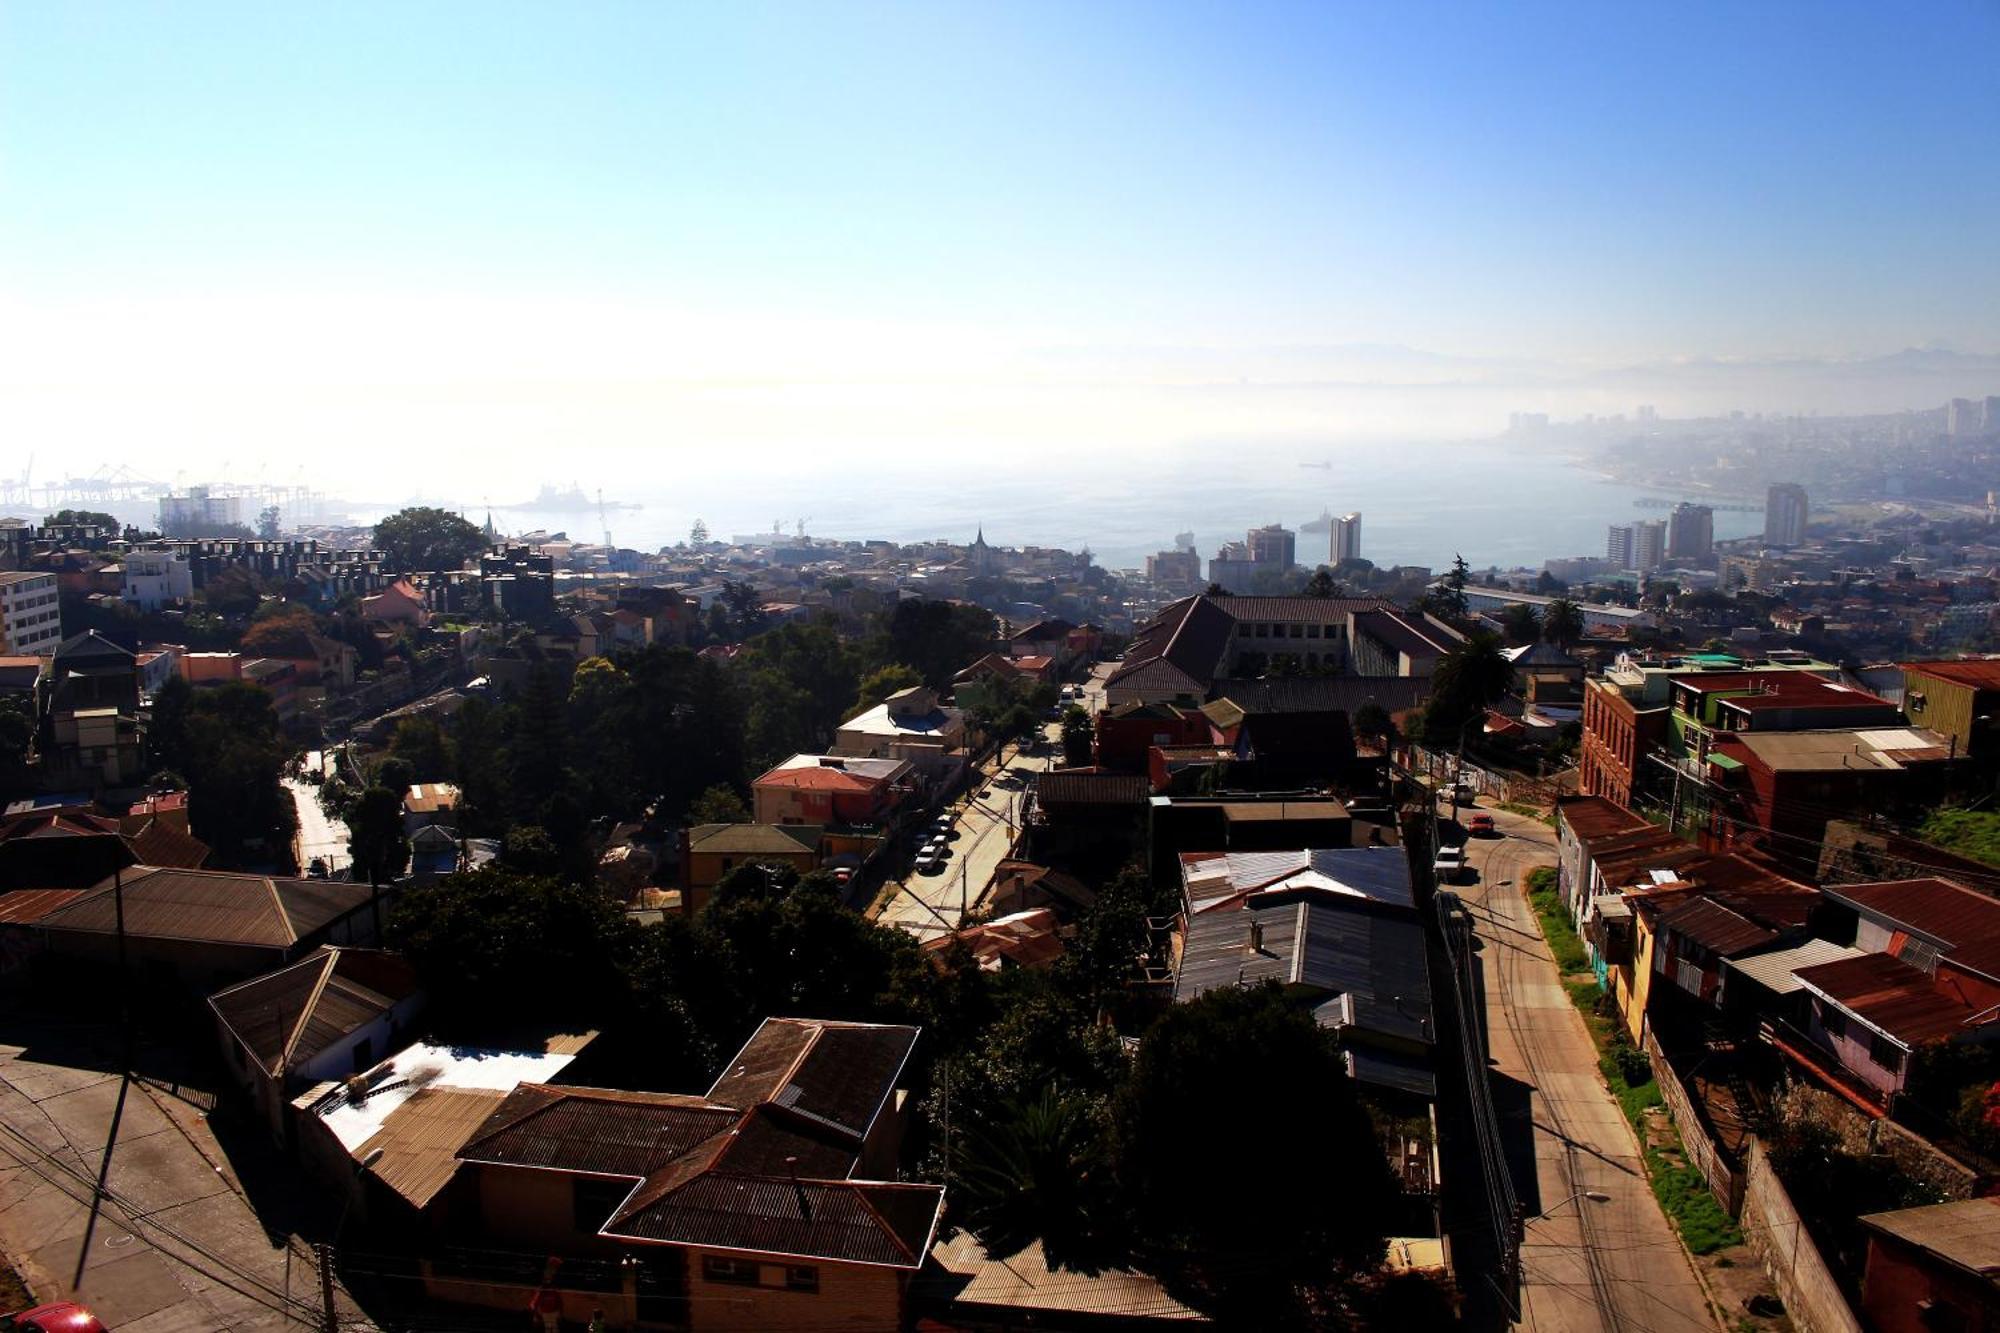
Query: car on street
[61, 1317]
[1481, 826]
[929, 862]
[1449, 864]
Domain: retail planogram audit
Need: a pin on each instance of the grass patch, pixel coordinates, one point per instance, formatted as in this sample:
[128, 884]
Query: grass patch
[1684, 1196]
[1679, 1187]
[1539, 815]
[1564, 942]
[1973, 833]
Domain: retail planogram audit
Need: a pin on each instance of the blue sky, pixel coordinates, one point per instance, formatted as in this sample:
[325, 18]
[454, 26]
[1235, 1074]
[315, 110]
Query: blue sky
[824, 194]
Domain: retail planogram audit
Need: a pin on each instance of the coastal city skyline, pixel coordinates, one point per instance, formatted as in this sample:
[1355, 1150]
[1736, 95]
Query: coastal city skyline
[1305, 666]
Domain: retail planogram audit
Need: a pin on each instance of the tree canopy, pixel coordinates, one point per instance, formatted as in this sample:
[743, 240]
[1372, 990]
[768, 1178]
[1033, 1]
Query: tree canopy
[423, 539]
[1284, 1261]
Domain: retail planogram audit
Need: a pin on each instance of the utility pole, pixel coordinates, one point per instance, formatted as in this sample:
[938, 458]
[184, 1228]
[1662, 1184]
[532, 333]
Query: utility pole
[329, 1317]
[124, 975]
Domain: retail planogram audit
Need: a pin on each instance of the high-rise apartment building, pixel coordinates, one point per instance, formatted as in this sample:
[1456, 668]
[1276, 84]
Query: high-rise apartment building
[1274, 545]
[1961, 417]
[1691, 532]
[1649, 544]
[1618, 546]
[1345, 540]
[30, 615]
[199, 513]
[1785, 511]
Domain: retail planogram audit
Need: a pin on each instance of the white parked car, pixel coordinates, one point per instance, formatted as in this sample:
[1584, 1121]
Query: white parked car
[1449, 864]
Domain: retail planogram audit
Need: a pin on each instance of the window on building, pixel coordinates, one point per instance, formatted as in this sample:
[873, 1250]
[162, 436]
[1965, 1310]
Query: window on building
[1312, 631]
[801, 1277]
[732, 1272]
[1298, 631]
[1885, 1053]
[1833, 1021]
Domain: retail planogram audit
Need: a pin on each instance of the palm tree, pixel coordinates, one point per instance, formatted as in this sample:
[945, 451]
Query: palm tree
[1467, 680]
[1562, 623]
[1038, 1170]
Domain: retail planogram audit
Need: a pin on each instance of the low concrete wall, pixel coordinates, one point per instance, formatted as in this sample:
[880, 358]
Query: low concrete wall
[1725, 1182]
[1775, 1231]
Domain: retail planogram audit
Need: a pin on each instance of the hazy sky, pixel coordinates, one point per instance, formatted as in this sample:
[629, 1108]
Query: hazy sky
[374, 226]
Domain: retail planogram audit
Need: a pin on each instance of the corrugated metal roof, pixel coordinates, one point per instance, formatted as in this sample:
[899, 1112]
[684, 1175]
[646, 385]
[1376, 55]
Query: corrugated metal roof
[1965, 1233]
[1889, 994]
[1380, 874]
[1396, 1070]
[1372, 957]
[1708, 923]
[1962, 922]
[1774, 970]
[289, 1015]
[420, 1139]
[1592, 817]
[754, 839]
[212, 906]
[25, 906]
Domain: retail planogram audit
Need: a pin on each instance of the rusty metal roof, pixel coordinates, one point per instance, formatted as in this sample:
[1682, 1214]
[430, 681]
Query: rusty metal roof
[1963, 923]
[1716, 928]
[1592, 817]
[1889, 994]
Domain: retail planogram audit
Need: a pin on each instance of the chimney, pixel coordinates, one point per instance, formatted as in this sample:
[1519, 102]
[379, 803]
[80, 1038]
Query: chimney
[1256, 936]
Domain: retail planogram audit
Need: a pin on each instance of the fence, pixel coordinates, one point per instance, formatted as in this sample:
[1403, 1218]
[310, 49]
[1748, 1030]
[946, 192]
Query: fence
[1725, 1182]
[1775, 1231]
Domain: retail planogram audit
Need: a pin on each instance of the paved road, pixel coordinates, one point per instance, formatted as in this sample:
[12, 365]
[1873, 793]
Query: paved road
[175, 1246]
[319, 835]
[1587, 1265]
[930, 905]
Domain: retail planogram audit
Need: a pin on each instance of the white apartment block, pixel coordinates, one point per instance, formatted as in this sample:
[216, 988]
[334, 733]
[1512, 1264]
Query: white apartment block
[157, 577]
[30, 618]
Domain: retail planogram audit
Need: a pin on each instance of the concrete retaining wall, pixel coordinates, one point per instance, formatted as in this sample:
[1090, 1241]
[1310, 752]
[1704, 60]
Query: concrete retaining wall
[1725, 1182]
[1870, 1136]
[1775, 1231]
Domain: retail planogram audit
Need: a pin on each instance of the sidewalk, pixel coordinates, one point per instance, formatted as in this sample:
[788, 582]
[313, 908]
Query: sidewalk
[172, 1244]
[931, 905]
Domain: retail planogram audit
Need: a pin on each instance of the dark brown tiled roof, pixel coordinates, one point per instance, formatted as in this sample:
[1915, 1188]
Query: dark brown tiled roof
[1962, 922]
[1190, 635]
[600, 1131]
[1323, 694]
[761, 1164]
[288, 1016]
[1092, 789]
[1891, 995]
[851, 1221]
[1297, 608]
[211, 906]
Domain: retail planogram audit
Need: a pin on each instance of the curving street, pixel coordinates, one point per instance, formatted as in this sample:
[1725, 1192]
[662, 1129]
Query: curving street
[1586, 1264]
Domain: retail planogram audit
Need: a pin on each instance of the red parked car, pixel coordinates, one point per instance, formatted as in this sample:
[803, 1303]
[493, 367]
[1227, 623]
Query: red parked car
[61, 1317]
[1480, 826]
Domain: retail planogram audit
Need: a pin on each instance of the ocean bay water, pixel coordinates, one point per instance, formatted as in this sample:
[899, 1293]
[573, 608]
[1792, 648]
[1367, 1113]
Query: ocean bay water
[1420, 503]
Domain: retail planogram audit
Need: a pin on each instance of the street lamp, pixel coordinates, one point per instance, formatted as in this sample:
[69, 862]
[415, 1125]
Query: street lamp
[1595, 1196]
